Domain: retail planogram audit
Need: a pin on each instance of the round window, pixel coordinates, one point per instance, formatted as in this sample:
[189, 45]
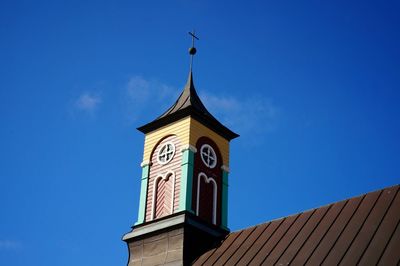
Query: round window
[208, 156]
[166, 153]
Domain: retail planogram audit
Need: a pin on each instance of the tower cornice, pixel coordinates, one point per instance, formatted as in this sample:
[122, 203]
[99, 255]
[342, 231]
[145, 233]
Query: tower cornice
[211, 123]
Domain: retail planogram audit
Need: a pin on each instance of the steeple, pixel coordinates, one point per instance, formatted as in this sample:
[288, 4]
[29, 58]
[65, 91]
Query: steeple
[184, 182]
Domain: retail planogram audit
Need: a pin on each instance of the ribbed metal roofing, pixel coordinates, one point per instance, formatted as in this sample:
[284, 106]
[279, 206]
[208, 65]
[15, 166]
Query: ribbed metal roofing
[363, 230]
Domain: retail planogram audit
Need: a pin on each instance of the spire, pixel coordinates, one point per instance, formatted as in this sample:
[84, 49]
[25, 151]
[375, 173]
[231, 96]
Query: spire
[188, 99]
[192, 50]
[189, 104]
[189, 95]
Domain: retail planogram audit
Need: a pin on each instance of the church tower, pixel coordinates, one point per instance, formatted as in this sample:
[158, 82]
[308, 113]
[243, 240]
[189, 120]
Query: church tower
[184, 185]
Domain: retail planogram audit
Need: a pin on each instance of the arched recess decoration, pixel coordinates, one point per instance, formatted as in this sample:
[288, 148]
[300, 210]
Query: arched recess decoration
[163, 200]
[207, 181]
[211, 181]
[164, 178]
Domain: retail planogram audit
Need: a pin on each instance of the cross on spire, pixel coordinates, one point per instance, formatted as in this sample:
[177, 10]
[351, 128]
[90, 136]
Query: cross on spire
[193, 37]
[192, 50]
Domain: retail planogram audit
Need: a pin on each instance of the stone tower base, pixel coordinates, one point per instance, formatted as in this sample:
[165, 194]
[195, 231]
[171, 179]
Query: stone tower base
[175, 240]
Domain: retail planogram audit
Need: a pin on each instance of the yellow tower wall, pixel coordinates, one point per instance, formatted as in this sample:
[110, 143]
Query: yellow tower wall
[198, 130]
[180, 128]
[188, 130]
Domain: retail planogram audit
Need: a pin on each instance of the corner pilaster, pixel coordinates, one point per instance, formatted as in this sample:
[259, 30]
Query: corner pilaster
[225, 184]
[143, 192]
[185, 197]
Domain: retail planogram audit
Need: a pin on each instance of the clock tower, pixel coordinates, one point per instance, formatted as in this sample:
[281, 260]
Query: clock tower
[184, 184]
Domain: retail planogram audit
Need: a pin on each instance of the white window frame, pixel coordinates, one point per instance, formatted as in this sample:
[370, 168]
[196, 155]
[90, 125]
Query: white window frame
[161, 148]
[213, 153]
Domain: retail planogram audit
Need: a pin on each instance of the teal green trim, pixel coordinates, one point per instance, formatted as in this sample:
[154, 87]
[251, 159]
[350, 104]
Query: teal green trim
[143, 194]
[185, 197]
[225, 228]
[224, 217]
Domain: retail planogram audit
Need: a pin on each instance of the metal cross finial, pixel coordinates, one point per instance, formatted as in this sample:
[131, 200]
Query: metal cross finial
[193, 37]
[192, 50]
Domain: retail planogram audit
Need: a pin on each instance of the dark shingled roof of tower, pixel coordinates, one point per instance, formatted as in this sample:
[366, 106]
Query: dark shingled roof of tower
[187, 98]
[189, 103]
[363, 230]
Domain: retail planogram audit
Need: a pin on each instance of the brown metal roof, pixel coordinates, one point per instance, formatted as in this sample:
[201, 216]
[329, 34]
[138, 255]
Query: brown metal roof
[189, 103]
[187, 98]
[363, 230]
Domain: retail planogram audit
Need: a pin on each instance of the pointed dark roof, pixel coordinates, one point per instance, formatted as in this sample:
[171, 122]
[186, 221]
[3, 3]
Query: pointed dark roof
[189, 104]
[187, 98]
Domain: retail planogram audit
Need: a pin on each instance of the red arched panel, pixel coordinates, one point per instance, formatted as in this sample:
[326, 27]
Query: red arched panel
[208, 190]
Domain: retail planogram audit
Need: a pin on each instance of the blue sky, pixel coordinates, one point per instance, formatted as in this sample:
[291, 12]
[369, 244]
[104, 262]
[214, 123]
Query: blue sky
[312, 87]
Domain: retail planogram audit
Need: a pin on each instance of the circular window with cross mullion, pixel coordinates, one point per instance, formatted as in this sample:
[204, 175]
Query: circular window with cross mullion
[166, 153]
[208, 156]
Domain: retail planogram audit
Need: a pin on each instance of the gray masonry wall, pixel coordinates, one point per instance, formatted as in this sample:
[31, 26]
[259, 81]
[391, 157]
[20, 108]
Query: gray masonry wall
[162, 249]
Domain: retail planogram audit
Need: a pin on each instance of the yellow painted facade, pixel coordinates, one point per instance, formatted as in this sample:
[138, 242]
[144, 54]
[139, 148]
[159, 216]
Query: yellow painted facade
[198, 130]
[188, 131]
[180, 128]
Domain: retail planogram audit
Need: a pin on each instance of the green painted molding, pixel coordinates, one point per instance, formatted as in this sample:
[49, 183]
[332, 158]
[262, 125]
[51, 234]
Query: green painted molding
[143, 193]
[224, 215]
[185, 197]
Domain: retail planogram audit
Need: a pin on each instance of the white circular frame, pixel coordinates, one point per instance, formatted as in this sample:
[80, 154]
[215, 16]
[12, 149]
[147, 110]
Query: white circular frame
[164, 146]
[211, 154]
